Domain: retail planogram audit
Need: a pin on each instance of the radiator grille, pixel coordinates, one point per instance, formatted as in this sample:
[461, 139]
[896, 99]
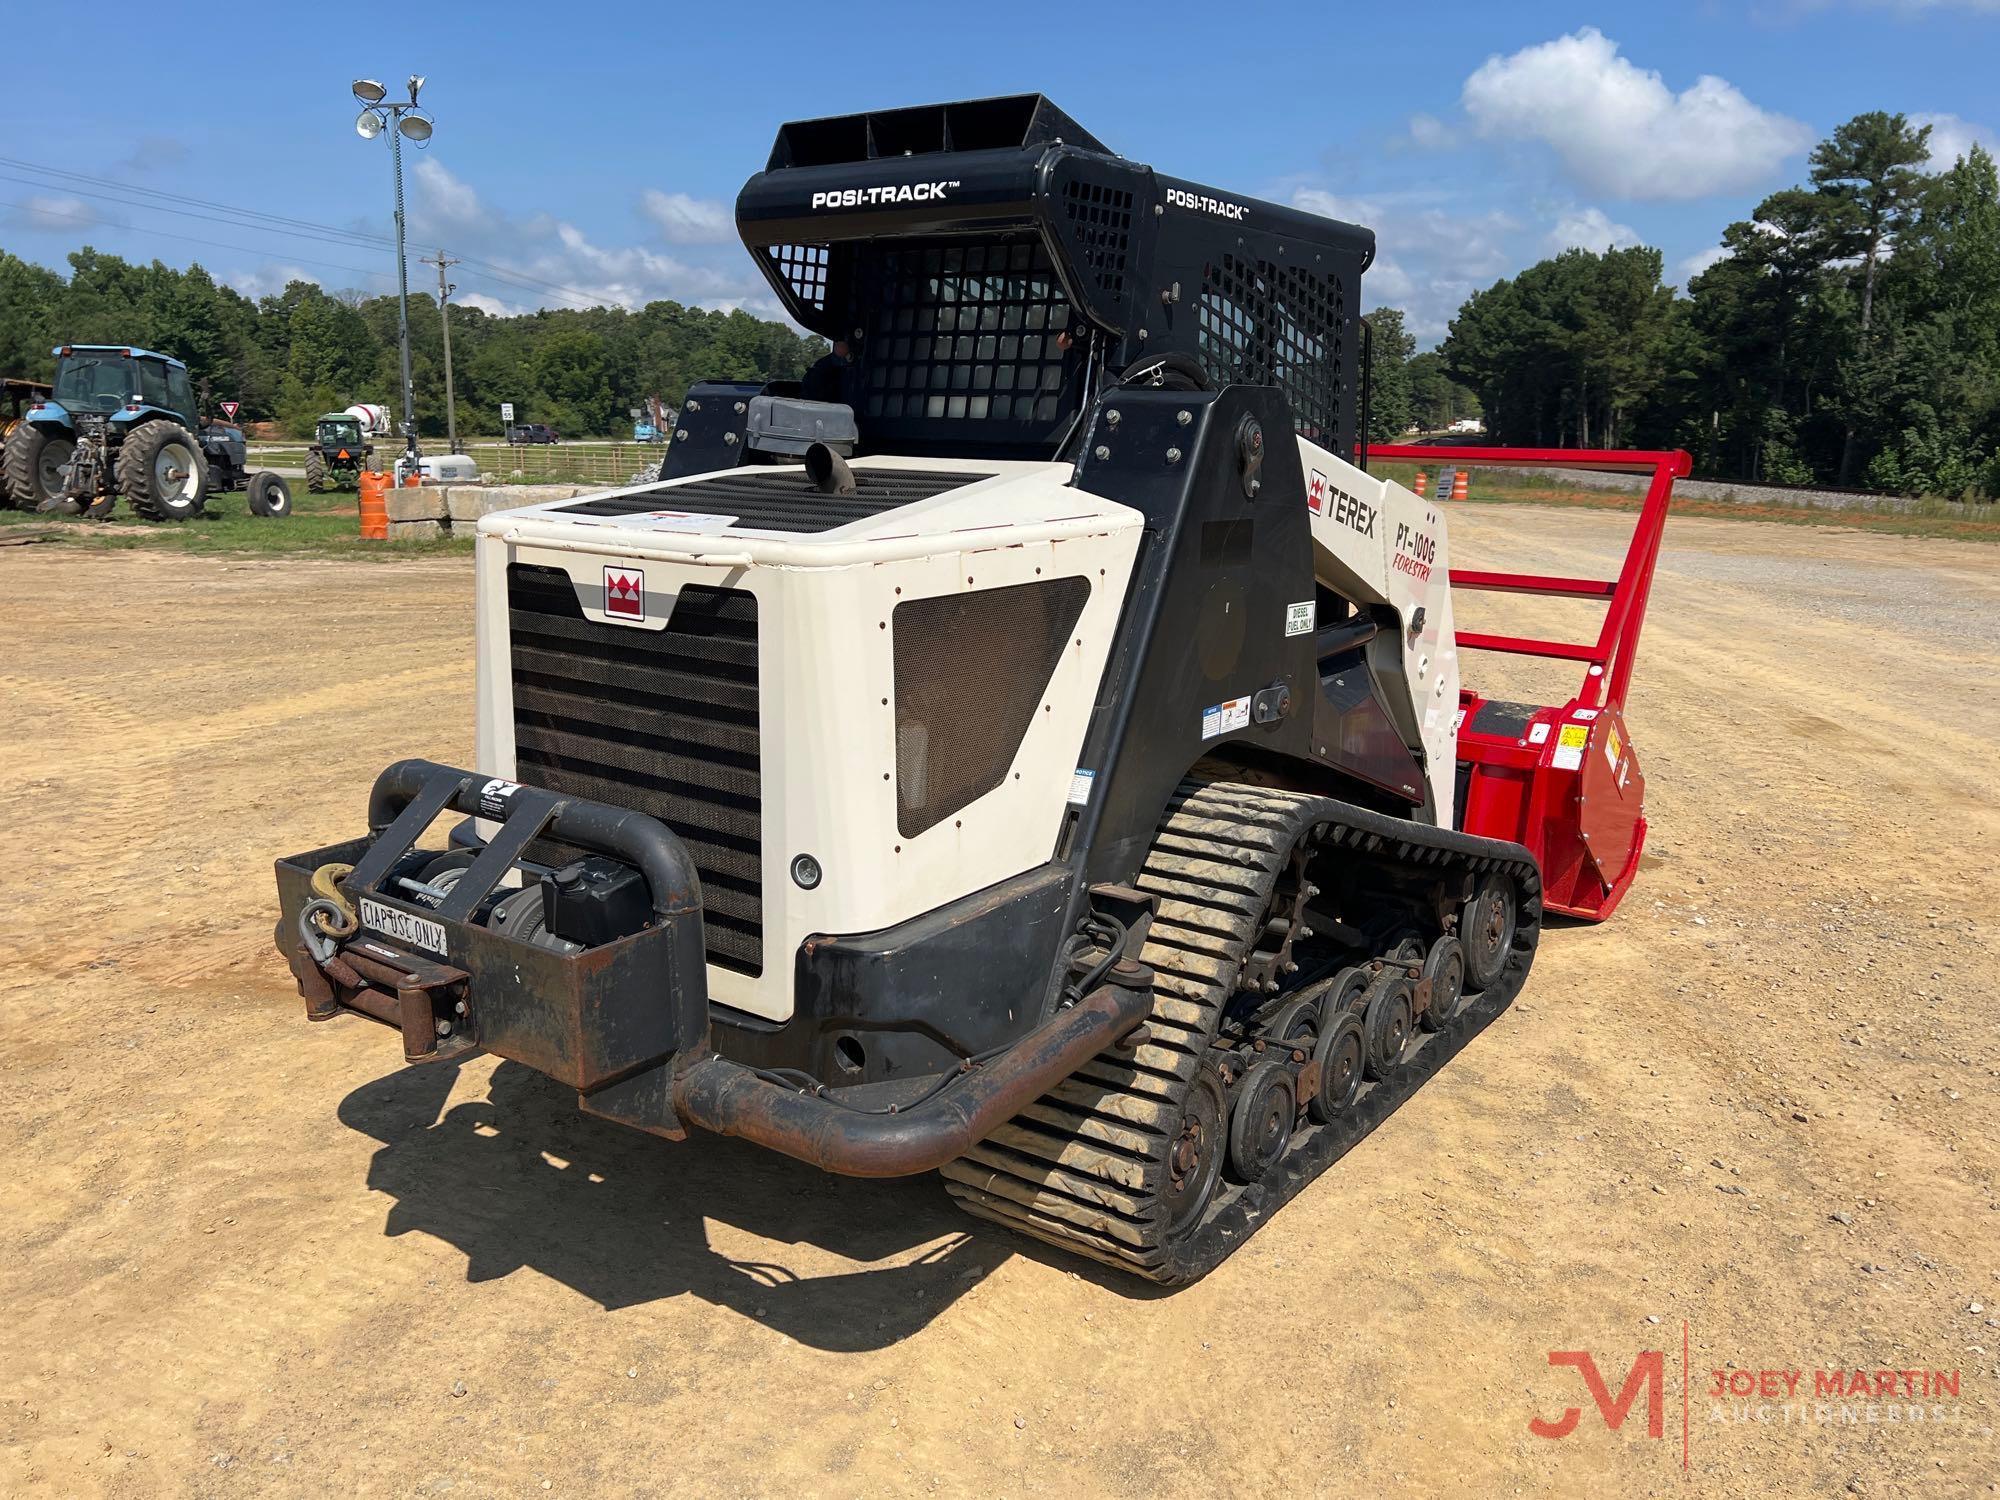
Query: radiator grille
[970, 673]
[783, 499]
[664, 722]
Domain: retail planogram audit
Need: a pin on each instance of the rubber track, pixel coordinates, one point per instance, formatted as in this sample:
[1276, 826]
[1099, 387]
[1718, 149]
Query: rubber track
[1082, 1168]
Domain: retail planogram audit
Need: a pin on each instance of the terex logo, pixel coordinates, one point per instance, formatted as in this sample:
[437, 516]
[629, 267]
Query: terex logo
[624, 593]
[1202, 203]
[871, 197]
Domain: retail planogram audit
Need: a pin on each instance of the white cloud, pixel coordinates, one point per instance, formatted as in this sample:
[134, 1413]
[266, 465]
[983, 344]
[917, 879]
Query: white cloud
[270, 279]
[1952, 138]
[486, 304]
[689, 221]
[1620, 130]
[1428, 259]
[1590, 229]
[447, 201]
[44, 213]
[1429, 133]
[545, 261]
[1691, 266]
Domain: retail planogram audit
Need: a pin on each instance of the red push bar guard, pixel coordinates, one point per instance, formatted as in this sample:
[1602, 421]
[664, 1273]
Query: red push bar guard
[1563, 781]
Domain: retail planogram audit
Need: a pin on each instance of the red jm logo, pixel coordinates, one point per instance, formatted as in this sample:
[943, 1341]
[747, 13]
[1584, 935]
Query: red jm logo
[1648, 1373]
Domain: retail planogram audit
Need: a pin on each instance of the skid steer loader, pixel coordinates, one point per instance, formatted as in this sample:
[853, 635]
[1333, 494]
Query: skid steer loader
[1041, 767]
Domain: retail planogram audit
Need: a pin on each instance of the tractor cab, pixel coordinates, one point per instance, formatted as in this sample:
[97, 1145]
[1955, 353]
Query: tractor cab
[338, 452]
[102, 380]
[340, 436]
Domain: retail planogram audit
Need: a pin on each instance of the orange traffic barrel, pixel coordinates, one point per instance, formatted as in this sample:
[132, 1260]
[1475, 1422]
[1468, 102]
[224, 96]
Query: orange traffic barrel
[412, 479]
[1458, 486]
[1418, 488]
[374, 506]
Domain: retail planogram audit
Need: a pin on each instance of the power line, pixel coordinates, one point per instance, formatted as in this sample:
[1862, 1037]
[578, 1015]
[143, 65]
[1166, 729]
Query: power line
[130, 188]
[281, 224]
[92, 221]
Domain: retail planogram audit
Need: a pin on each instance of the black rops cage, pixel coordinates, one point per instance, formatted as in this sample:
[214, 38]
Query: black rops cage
[990, 262]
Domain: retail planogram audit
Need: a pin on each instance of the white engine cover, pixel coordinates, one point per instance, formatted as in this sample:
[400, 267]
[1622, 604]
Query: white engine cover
[825, 603]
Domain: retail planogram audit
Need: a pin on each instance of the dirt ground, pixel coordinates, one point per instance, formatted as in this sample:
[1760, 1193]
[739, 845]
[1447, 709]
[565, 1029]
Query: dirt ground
[247, 1255]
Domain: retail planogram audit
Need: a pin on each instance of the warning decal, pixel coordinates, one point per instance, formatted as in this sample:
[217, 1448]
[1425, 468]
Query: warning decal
[493, 797]
[1225, 717]
[1538, 734]
[1079, 787]
[1299, 617]
[1611, 745]
[1569, 746]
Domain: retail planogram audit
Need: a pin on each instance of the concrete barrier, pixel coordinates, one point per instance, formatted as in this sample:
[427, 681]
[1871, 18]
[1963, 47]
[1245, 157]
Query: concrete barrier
[415, 503]
[466, 503]
[423, 512]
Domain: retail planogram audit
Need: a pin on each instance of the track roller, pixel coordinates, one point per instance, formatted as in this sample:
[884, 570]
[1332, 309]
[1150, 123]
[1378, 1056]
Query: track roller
[1342, 1055]
[1391, 1014]
[1444, 972]
[1260, 1124]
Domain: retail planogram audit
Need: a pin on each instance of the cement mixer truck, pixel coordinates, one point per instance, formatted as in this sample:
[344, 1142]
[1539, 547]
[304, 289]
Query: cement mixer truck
[374, 419]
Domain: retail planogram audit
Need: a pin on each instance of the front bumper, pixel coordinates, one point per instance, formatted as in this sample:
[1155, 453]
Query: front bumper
[626, 1023]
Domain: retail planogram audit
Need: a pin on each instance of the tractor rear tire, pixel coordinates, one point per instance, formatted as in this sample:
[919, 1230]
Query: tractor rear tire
[269, 496]
[315, 473]
[32, 465]
[162, 472]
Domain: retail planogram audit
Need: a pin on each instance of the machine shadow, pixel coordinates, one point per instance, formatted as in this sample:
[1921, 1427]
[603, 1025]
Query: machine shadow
[522, 1178]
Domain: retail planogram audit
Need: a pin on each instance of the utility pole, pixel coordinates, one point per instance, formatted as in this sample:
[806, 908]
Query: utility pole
[441, 260]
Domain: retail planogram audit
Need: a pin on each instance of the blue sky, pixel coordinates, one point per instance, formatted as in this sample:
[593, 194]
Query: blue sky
[594, 155]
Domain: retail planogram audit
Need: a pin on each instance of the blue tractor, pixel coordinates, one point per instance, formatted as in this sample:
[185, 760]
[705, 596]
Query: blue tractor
[121, 421]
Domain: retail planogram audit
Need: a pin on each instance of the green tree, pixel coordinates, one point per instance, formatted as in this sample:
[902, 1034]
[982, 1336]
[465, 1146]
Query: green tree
[1568, 350]
[1390, 348]
[1871, 167]
[570, 378]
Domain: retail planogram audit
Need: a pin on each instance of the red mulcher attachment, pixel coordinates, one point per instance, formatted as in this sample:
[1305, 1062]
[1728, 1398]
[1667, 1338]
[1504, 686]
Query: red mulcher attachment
[1563, 781]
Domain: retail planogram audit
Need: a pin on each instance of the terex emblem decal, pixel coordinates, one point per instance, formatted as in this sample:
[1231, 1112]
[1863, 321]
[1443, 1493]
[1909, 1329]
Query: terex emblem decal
[624, 593]
[1324, 497]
